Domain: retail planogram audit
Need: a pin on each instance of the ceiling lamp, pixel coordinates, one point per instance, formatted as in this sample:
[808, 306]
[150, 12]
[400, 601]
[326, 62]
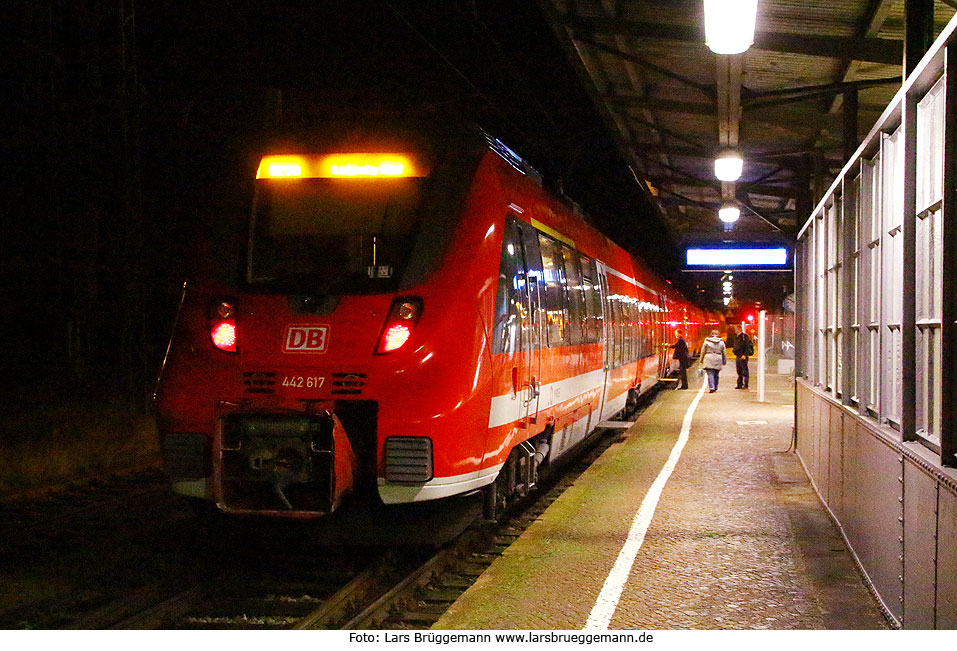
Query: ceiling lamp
[729, 214]
[729, 25]
[728, 166]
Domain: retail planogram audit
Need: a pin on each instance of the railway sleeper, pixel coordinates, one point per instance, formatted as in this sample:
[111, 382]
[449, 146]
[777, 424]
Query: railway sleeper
[442, 595]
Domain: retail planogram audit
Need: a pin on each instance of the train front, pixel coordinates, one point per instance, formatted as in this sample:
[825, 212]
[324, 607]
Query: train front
[267, 400]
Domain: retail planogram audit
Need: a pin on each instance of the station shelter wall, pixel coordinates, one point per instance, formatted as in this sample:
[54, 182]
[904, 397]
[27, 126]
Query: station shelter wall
[875, 274]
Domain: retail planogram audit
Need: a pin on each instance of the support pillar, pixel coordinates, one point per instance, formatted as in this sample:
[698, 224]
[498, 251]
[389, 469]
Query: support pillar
[909, 286]
[804, 201]
[918, 32]
[849, 108]
[948, 415]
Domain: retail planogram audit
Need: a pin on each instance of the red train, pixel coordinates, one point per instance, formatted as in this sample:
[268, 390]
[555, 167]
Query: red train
[417, 319]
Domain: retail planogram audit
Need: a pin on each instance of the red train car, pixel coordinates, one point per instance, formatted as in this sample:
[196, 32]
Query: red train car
[417, 319]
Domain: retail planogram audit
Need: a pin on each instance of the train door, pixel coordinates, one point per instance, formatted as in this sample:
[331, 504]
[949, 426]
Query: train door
[513, 332]
[608, 336]
[665, 336]
[517, 332]
[533, 337]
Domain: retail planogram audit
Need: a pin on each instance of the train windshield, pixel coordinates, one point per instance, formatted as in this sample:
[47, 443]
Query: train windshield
[333, 235]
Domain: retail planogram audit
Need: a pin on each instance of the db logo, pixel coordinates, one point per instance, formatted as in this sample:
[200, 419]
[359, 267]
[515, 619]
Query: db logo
[305, 339]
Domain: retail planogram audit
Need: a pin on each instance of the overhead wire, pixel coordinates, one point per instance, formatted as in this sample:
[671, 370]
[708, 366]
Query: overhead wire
[476, 18]
[472, 15]
[428, 43]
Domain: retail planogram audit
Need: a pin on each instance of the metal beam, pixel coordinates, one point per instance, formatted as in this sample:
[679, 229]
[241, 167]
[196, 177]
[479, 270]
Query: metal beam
[584, 73]
[763, 99]
[686, 177]
[754, 153]
[743, 198]
[681, 200]
[665, 105]
[728, 71]
[676, 136]
[689, 180]
[875, 50]
[770, 175]
[637, 80]
[877, 13]
[651, 148]
[795, 120]
[627, 56]
[763, 190]
[792, 154]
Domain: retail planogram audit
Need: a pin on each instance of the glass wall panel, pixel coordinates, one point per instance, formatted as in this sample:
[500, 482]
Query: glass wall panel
[929, 263]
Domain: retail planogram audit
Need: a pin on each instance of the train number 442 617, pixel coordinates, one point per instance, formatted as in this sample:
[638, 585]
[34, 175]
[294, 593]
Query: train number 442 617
[303, 381]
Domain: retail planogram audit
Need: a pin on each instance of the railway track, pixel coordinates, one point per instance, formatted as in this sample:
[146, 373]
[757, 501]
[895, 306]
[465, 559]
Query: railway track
[336, 588]
[319, 596]
[426, 593]
[252, 578]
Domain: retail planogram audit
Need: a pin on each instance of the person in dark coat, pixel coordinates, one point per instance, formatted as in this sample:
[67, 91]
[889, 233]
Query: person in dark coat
[684, 358]
[743, 349]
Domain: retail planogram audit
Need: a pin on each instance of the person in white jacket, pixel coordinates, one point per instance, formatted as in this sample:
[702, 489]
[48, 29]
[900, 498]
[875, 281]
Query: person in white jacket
[713, 359]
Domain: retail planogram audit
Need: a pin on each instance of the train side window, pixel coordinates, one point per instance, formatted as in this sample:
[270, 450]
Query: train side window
[536, 285]
[553, 269]
[610, 332]
[664, 332]
[615, 330]
[592, 295]
[646, 331]
[607, 323]
[511, 316]
[655, 331]
[625, 328]
[632, 313]
[576, 297]
[621, 343]
[643, 331]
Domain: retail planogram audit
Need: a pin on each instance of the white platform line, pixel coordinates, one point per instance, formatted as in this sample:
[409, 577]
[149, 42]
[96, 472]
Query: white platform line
[607, 602]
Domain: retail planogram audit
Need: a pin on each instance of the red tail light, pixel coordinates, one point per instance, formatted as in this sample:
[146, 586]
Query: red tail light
[403, 315]
[395, 337]
[222, 325]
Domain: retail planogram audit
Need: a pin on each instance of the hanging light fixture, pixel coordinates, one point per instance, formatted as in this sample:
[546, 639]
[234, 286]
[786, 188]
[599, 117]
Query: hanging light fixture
[729, 25]
[729, 213]
[728, 166]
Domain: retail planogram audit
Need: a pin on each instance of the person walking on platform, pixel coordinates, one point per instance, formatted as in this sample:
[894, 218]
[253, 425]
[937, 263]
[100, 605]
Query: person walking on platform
[683, 357]
[714, 358]
[743, 349]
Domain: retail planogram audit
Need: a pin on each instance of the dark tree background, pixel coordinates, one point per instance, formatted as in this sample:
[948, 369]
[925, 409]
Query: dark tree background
[132, 130]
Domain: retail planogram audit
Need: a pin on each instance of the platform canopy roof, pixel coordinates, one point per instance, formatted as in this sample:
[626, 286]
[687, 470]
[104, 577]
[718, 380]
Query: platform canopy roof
[795, 104]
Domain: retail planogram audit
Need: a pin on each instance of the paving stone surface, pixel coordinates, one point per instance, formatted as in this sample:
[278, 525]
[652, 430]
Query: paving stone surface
[739, 540]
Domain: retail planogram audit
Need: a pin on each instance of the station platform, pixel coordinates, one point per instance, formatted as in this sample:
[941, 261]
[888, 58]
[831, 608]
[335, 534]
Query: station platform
[733, 538]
